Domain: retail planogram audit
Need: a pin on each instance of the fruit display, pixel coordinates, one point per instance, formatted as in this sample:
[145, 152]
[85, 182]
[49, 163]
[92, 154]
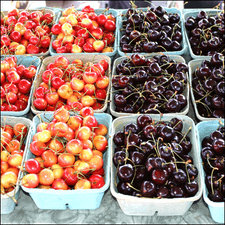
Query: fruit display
[208, 87]
[67, 152]
[26, 31]
[152, 158]
[150, 30]
[12, 152]
[84, 31]
[149, 84]
[212, 155]
[74, 82]
[16, 83]
[205, 32]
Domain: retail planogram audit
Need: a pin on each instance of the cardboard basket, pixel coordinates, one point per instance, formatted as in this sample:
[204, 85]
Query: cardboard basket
[194, 13]
[140, 206]
[168, 10]
[26, 61]
[72, 199]
[193, 65]
[97, 11]
[85, 58]
[203, 129]
[54, 19]
[7, 204]
[177, 58]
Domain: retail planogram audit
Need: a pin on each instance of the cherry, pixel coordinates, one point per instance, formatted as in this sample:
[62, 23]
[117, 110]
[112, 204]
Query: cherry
[176, 124]
[163, 192]
[147, 148]
[176, 192]
[173, 105]
[217, 196]
[150, 131]
[167, 133]
[138, 158]
[119, 158]
[118, 138]
[148, 189]
[191, 188]
[218, 145]
[180, 176]
[124, 188]
[130, 127]
[159, 176]
[140, 173]
[126, 172]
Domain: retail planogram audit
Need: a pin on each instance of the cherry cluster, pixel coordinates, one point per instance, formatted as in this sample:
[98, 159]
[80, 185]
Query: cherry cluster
[206, 33]
[84, 31]
[212, 154]
[68, 152]
[16, 82]
[25, 32]
[209, 87]
[150, 85]
[151, 31]
[72, 84]
[152, 159]
[12, 151]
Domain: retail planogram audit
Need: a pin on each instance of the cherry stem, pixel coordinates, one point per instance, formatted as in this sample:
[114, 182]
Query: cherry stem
[132, 187]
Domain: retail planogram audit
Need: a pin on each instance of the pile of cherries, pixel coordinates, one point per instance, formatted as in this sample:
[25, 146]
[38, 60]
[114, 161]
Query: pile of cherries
[206, 33]
[84, 31]
[151, 31]
[208, 87]
[73, 84]
[152, 159]
[150, 85]
[25, 32]
[16, 82]
[67, 152]
[12, 151]
[212, 154]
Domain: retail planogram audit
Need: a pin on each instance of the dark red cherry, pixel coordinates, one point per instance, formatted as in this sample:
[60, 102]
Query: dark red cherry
[140, 173]
[127, 48]
[191, 188]
[162, 192]
[174, 18]
[176, 124]
[201, 15]
[177, 149]
[160, 11]
[135, 36]
[130, 127]
[192, 171]
[119, 158]
[180, 177]
[165, 152]
[126, 172]
[150, 131]
[150, 46]
[219, 162]
[134, 19]
[132, 139]
[143, 120]
[167, 43]
[155, 69]
[120, 100]
[148, 189]
[216, 134]
[124, 188]
[173, 105]
[186, 145]
[118, 138]
[177, 86]
[220, 88]
[217, 196]
[217, 101]
[190, 24]
[138, 158]
[218, 146]
[124, 40]
[159, 176]
[207, 152]
[211, 180]
[176, 192]
[147, 148]
[218, 113]
[210, 84]
[207, 142]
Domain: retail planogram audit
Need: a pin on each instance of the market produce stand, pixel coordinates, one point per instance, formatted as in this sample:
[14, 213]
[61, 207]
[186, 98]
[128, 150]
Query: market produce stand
[26, 211]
